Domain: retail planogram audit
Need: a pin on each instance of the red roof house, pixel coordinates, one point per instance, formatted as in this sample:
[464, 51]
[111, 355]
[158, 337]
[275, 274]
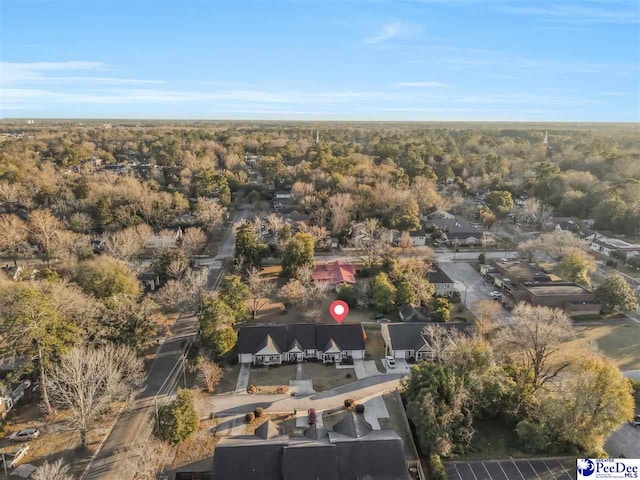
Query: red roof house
[335, 273]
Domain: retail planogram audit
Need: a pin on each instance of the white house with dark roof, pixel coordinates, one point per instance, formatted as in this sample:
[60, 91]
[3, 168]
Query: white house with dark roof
[443, 283]
[276, 344]
[456, 231]
[407, 340]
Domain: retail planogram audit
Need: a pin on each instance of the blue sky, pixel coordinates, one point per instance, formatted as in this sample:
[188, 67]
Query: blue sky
[549, 60]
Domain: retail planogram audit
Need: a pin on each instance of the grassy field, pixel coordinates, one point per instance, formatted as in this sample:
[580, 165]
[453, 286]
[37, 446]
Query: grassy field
[267, 376]
[229, 379]
[326, 377]
[618, 339]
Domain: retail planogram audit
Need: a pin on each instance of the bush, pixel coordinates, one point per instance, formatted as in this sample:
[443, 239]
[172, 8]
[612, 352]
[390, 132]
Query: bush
[349, 402]
[359, 408]
[437, 468]
[534, 436]
[259, 412]
[348, 375]
[348, 295]
[635, 384]
[347, 361]
[482, 259]
[249, 417]
[251, 389]
[282, 389]
[178, 420]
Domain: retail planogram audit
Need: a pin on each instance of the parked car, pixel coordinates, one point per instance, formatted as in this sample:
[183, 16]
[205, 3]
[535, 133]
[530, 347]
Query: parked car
[383, 320]
[636, 421]
[377, 316]
[391, 362]
[24, 435]
[13, 459]
[312, 416]
[495, 294]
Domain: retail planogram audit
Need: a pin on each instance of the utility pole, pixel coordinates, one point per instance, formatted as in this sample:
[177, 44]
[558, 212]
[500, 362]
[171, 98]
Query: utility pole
[4, 464]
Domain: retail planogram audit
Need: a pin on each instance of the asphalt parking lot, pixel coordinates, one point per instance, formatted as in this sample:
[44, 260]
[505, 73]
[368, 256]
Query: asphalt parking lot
[525, 469]
[467, 279]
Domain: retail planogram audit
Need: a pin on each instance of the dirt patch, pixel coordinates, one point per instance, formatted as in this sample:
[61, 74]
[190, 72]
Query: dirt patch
[278, 419]
[374, 345]
[198, 447]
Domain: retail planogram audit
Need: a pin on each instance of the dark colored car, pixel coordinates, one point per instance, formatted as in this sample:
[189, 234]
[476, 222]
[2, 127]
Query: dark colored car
[377, 316]
[636, 421]
[312, 416]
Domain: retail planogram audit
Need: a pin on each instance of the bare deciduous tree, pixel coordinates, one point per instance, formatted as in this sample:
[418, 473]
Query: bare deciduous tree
[405, 242]
[146, 458]
[52, 471]
[209, 212]
[441, 341]
[535, 341]
[260, 289]
[488, 314]
[129, 242]
[371, 237]
[341, 206]
[193, 240]
[45, 230]
[209, 375]
[185, 294]
[13, 235]
[555, 244]
[88, 381]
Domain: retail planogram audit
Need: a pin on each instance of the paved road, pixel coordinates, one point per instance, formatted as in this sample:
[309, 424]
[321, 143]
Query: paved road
[162, 379]
[225, 251]
[624, 442]
[471, 285]
[134, 423]
[360, 390]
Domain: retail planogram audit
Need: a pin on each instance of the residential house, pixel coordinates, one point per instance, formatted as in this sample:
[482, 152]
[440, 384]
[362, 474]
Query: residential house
[456, 231]
[440, 214]
[149, 280]
[573, 298]
[352, 450]
[275, 344]
[335, 274]
[605, 244]
[282, 194]
[409, 313]
[444, 285]
[409, 340]
[418, 237]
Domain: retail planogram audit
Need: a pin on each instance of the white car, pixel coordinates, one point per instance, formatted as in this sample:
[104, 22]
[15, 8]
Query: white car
[495, 294]
[391, 362]
[24, 435]
[12, 460]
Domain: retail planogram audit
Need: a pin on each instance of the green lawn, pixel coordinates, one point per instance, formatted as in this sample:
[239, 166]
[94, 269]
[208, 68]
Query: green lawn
[326, 376]
[272, 375]
[229, 379]
[618, 339]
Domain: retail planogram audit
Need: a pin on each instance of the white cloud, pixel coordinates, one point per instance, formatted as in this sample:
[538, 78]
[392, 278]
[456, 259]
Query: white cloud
[12, 73]
[577, 13]
[388, 31]
[422, 84]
